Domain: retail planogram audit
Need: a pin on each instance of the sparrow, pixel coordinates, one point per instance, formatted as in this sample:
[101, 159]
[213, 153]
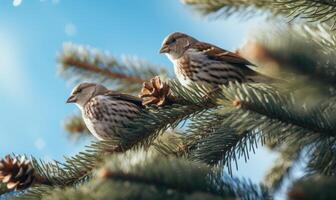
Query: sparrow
[199, 62]
[103, 110]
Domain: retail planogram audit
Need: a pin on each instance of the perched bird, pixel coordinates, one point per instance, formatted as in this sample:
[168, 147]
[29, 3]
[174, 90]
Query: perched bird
[103, 110]
[200, 62]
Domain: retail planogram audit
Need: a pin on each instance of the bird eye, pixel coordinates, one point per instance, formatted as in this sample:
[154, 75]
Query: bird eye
[79, 91]
[172, 41]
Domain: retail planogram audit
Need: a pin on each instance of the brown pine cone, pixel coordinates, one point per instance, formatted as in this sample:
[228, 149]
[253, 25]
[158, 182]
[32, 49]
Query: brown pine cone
[16, 173]
[156, 92]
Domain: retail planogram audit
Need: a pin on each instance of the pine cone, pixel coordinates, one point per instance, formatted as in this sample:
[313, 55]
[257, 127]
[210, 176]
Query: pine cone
[17, 174]
[156, 92]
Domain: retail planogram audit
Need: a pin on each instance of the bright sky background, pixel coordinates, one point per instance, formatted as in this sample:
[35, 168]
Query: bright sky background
[33, 97]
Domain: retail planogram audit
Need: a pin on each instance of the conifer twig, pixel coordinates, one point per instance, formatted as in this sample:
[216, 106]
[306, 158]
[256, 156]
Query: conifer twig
[162, 177]
[96, 69]
[82, 63]
[310, 10]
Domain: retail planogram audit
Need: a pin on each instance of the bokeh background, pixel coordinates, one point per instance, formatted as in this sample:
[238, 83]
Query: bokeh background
[32, 95]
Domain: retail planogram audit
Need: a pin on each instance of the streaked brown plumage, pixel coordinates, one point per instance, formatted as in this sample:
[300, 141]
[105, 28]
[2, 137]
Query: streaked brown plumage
[200, 62]
[103, 110]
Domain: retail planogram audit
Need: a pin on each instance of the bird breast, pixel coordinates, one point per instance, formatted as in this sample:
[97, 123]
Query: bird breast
[103, 115]
[186, 68]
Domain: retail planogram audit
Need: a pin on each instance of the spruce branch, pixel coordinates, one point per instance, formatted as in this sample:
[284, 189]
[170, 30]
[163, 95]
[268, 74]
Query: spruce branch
[282, 168]
[230, 7]
[225, 146]
[275, 110]
[35, 192]
[254, 114]
[159, 178]
[212, 141]
[79, 63]
[276, 107]
[247, 115]
[138, 134]
[311, 10]
[68, 61]
[297, 52]
[277, 116]
[248, 109]
[322, 158]
[170, 144]
[201, 125]
[218, 143]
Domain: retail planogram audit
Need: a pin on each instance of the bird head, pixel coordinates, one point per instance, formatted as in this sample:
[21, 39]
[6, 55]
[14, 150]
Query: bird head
[83, 92]
[175, 44]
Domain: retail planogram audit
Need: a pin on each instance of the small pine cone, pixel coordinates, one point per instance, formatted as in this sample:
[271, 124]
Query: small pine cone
[16, 174]
[156, 92]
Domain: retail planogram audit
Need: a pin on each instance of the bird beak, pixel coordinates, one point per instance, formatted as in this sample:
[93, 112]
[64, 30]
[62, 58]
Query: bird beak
[164, 49]
[71, 99]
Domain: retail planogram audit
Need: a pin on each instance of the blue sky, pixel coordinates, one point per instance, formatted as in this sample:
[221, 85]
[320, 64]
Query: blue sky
[32, 96]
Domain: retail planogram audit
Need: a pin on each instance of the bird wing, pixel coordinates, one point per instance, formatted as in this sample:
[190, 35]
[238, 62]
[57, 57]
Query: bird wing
[216, 53]
[105, 114]
[125, 97]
